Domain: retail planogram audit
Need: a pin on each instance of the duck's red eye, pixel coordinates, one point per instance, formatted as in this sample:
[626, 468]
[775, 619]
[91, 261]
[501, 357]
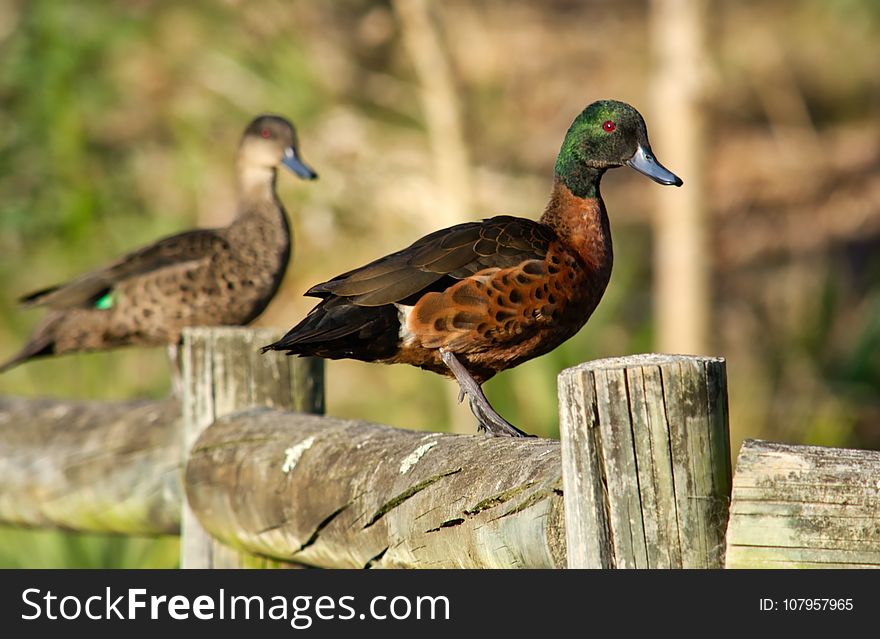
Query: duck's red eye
[266, 133]
[609, 126]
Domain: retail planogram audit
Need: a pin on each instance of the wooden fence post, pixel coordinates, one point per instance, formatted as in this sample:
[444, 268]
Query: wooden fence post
[225, 373]
[645, 462]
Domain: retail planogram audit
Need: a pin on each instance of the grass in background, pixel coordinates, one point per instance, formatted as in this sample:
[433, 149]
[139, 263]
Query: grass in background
[20, 548]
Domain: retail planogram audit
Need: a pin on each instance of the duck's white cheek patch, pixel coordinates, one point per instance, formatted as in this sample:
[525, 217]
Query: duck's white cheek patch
[407, 336]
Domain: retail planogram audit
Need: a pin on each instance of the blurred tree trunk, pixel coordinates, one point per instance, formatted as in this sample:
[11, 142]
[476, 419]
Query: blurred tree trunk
[681, 267]
[441, 107]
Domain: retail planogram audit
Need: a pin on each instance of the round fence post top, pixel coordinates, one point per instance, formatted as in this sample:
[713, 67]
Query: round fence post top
[644, 359]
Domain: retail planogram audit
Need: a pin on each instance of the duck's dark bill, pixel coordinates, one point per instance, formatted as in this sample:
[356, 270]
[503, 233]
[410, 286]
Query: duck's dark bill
[644, 162]
[297, 166]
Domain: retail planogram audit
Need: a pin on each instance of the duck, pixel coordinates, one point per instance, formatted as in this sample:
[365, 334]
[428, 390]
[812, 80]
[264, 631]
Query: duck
[202, 277]
[478, 298]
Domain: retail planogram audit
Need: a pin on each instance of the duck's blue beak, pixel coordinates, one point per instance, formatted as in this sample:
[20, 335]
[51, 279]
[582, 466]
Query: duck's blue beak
[645, 163]
[292, 162]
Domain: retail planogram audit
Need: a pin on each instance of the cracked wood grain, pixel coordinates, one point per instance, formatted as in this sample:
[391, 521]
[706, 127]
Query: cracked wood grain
[321, 526]
[397, 500]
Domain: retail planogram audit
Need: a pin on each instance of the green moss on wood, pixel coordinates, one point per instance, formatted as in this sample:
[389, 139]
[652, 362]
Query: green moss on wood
[500, 498]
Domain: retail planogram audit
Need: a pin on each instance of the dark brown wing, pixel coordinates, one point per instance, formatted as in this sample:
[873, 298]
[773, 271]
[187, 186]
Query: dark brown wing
[456, 252]
[85, 290]
[356, 318]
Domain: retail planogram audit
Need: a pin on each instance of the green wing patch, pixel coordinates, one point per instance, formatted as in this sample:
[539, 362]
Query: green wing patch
[105, 302]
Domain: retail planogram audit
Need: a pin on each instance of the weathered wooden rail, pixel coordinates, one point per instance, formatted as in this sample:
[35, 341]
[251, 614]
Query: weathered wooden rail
[108, 467]
[347, 494]
[641, 477]
[804, 507]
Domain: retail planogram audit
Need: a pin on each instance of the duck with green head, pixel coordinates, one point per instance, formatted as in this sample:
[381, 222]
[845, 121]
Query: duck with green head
[203, 277]
[478, 298]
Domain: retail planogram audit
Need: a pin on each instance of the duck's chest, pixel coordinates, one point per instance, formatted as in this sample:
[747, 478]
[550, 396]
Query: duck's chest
[577, 266]
[555, 296]
[259, 250]
[242, 279]
[554, 306]
[573, 286]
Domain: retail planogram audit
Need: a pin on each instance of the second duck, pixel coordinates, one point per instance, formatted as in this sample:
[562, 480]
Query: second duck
[203, 277]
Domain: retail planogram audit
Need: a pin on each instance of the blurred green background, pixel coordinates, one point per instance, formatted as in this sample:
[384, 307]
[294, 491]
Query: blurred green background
[120, 119]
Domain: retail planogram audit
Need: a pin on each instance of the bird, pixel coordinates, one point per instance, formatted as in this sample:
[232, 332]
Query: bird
[200, 277]
[478, 298]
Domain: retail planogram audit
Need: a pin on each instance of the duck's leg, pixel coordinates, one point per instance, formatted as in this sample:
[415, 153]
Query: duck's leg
[176, 372]
[490, 421]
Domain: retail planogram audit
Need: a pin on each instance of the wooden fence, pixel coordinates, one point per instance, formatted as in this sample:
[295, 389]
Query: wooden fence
[641, 476]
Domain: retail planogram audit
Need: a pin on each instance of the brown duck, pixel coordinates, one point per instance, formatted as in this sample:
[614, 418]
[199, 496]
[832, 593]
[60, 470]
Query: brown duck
[478, 298]
[204, 277]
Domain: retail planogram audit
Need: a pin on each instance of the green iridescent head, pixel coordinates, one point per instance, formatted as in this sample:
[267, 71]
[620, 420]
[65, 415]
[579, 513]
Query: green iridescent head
[607, 134]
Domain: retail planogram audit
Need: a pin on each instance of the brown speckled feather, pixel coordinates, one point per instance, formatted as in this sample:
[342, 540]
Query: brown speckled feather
[83, 291]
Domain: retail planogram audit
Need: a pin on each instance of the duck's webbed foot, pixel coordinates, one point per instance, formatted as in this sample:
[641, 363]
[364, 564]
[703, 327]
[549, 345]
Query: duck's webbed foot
[489, 420]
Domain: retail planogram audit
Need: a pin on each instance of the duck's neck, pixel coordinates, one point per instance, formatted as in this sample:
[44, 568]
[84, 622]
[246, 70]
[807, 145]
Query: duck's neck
[257, 199]
[256, 185]
[582, 223]
[261, 218]
[582, 180]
